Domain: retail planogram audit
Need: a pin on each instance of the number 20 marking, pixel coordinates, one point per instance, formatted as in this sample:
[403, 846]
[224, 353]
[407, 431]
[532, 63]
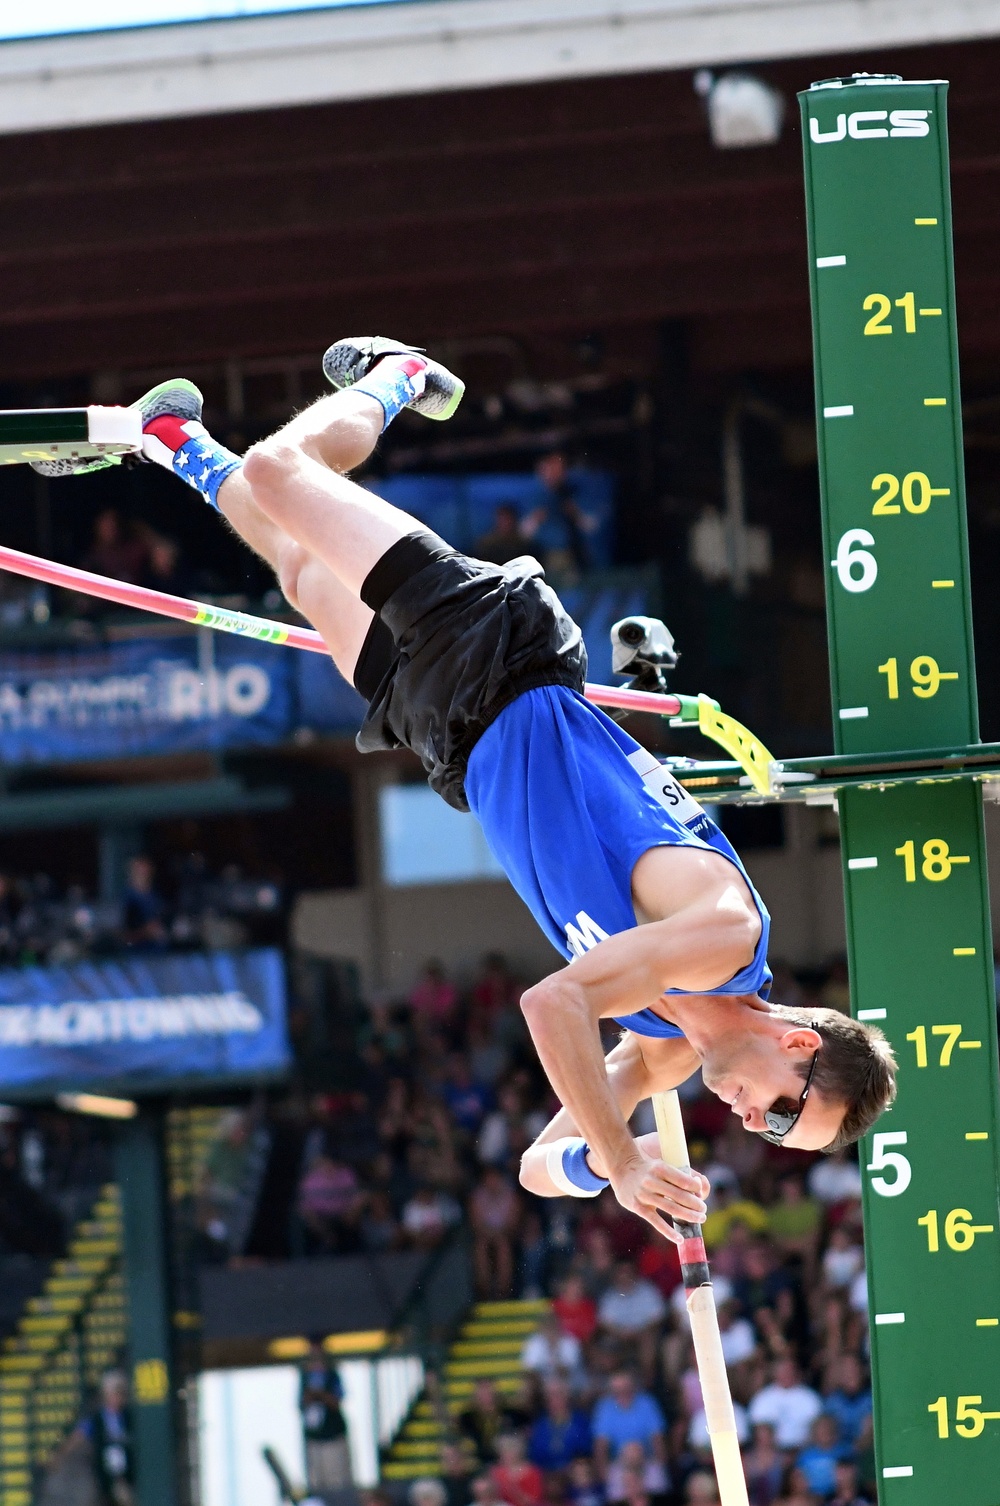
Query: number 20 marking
[916, 491]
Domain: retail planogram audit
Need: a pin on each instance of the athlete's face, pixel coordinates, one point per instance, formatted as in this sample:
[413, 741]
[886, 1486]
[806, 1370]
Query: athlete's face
[756, 1071]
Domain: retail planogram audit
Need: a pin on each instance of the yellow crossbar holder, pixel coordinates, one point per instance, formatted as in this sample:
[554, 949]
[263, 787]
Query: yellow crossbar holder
[740, 743]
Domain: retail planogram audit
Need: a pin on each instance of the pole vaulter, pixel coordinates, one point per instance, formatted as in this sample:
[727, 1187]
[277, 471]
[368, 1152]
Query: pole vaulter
[481, 672]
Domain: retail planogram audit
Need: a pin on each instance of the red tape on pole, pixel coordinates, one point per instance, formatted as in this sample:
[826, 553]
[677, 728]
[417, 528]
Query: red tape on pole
[201, 614]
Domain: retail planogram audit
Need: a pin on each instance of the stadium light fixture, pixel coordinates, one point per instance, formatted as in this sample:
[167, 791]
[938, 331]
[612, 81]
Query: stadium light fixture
[98, 1105]
[742, 110]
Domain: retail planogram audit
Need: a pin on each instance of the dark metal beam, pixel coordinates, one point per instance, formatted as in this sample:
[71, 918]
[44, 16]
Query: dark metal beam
[137, 803]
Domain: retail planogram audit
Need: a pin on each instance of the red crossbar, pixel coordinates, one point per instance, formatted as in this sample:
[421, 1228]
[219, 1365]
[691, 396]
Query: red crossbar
[201, 614]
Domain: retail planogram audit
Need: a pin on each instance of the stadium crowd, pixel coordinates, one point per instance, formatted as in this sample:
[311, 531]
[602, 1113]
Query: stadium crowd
[445, 1095]
[44, 923]
[448, 1096]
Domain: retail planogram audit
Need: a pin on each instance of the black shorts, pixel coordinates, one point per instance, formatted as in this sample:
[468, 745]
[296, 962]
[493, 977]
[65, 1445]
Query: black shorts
[454, 641]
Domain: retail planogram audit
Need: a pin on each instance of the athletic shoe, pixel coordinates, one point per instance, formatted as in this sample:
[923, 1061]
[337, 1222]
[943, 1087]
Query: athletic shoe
[349, 360]
[177, 398]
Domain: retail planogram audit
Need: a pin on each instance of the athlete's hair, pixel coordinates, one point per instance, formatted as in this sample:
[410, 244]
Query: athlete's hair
[855, 1066]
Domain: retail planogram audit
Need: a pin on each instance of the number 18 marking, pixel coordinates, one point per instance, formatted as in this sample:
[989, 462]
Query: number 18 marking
[938, 862]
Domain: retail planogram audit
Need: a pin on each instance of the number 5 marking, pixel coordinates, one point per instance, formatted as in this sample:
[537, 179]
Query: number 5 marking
[850, 557]
[883, 1159]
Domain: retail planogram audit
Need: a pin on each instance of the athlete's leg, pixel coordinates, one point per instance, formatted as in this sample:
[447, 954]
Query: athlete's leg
[343, 525]
[344, 434]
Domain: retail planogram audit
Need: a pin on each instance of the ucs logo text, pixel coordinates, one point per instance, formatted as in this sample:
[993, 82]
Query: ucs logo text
[873, 125]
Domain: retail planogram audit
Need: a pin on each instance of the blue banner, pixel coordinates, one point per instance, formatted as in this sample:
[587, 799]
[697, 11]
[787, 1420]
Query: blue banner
[143, 1024]
[156, 695]
[205, 690]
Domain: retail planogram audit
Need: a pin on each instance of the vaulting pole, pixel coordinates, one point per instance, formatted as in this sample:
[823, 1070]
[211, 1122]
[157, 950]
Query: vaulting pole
[704, 1319]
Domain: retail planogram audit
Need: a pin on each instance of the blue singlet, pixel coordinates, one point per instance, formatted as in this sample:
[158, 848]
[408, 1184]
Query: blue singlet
[569, 803]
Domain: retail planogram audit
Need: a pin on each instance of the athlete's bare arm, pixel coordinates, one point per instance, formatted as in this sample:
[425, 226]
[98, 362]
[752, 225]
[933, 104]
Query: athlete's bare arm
[637, 1067]
[698, 948]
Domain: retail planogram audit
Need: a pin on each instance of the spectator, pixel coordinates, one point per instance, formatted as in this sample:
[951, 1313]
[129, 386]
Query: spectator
[630, 1312]
[562, 1433]
[658, 1263]
[486, 1493]
[818, 1460]
[764, 1283]
[582, 1486]
[467, 1100]
[164, 571]
[634, 1473]
[794, 1223]
[494, 1212]
[835, 1179]
[517, 1480]
[764, 1467]
[564, 529]
[455, 1469]
[226, 1173]
[433, 997]
[796, 1490]
[577, 1313]
[108, 1432]
[495, 991]
[626, 1415]
[329, 1203]
[484, 1419]
[379, 1228]
[144, 908]
[428, 1492]
[535, 1256]
[115, 550]
[427, 1217]
[843, 1258]
[846, 1492]
[504, 541]
[595, 1260]
[850, 1402]
[739, 1342]
[789, 1405]
[508, 1131]
[549, 1351]
[328, 1456]
[836, 990]
[728, 1210]
[701, 1489]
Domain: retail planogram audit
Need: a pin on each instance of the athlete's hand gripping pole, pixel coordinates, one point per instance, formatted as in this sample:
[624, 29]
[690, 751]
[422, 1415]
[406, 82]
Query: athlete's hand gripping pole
[704, 1319]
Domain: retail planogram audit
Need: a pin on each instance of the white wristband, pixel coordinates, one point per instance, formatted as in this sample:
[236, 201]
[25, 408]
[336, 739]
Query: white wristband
[555, 1155]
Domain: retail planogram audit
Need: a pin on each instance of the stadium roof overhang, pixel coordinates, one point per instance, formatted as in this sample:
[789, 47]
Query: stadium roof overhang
[423, 46]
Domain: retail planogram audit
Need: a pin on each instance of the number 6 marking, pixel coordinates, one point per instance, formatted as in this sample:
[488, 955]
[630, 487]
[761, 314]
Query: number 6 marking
[883, 1159]
[850, 556]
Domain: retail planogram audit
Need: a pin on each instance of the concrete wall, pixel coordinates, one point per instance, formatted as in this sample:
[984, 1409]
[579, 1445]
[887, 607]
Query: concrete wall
[391, 932]
[390, 935]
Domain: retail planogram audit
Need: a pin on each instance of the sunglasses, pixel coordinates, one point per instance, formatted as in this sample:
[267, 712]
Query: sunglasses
[784, 1115]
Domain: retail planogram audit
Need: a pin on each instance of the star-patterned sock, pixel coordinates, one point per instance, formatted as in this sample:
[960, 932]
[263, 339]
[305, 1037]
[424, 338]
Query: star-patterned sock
[186, 448]
[394, 381]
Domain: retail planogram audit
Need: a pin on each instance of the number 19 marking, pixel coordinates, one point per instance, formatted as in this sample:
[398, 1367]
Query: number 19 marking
[925, 673]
